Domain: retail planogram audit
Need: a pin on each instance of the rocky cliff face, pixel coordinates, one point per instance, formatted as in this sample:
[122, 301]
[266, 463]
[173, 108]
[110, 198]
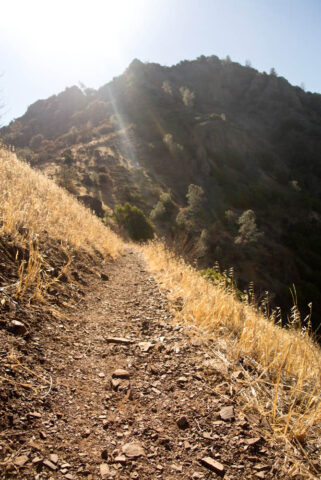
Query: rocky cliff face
[251, 141]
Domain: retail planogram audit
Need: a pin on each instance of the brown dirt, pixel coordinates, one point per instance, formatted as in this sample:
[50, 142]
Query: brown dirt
[60, 401]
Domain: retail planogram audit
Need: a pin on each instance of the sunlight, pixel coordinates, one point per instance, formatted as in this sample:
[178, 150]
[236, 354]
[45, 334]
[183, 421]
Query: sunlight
[77, 30]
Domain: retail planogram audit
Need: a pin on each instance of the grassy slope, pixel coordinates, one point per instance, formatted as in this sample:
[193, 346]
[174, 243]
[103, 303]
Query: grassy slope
[284, 364]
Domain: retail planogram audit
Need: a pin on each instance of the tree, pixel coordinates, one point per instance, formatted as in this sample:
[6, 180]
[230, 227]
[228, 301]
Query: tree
[196, 199]
[163, 209]
[133, 219]
[248, 231]
[273, 72]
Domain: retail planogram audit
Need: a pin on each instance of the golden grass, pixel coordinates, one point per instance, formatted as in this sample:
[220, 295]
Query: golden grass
[32, 205]
[29, 199]
[287, 381]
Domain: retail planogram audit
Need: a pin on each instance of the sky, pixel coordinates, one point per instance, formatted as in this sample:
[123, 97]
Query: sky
[47, 45]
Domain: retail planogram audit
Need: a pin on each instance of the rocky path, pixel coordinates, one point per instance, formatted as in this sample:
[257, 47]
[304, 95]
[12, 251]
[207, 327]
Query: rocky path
[131, 395]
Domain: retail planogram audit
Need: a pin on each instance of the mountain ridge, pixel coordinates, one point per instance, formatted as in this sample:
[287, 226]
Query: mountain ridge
[250, 140]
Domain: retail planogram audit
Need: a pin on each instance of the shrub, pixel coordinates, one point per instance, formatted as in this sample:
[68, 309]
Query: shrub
[133, 219]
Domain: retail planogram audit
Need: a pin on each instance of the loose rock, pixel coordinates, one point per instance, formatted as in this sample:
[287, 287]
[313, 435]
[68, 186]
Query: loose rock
[213, 465]
[133, 450]
[227, 413]
[120, 373]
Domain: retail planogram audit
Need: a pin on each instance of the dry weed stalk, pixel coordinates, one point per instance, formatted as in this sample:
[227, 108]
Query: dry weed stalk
[287, 381]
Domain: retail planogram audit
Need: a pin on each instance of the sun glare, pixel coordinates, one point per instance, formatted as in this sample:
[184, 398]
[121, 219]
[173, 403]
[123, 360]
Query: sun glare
[73, 32]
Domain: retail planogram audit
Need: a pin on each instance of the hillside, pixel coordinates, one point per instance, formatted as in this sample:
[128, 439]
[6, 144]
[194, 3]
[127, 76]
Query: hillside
[119, 361]
[249, 140]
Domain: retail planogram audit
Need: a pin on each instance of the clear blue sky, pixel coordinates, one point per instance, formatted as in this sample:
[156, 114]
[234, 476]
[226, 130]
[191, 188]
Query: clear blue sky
[47, 45]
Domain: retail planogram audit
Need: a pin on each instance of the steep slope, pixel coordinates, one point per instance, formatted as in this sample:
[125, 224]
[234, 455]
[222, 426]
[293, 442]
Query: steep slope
[251, 141]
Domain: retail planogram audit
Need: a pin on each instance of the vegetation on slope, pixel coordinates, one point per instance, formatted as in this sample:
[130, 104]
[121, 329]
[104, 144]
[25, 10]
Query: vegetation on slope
[34, 211]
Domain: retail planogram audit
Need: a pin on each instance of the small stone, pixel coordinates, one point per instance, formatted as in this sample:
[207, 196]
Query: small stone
[182, 380]
[20, 461]
[69, 476]
[104, 277]
[85, 433]
[260, 475]
[133, 450]
[17, 328]
[50, 465]
[120, 373]
[182, 423]
[101, 375]
[104, 470]
[115, 382]
[53, 457]
[37, 460]
[145, 346]
[34, 414]
[227, 413]
[252, 441]
[176, 468]
[120, 459]
[213, 465]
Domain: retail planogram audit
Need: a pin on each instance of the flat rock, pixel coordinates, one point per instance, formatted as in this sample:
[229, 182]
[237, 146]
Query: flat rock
[119, 340]
[120, 459]
[145, 346]
[133, 450]
[252, 441]
[21, 460]
[50, 465]
[213, 465]
[120, 373]
[53, 457]
[104, 470]
[227, 413]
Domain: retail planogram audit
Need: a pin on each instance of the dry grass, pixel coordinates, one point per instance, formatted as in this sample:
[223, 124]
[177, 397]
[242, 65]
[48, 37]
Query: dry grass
[32, 205]
[285, 382]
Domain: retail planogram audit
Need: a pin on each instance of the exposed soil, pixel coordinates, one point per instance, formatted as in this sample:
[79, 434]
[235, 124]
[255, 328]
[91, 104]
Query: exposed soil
[114, 389]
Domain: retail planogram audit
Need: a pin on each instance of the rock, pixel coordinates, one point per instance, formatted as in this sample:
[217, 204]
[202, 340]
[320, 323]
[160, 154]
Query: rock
[34, 414]
[53, 457]
[133, 450]
[50, 465]
[182, 380]
[104, 277]
[101, 375]
[119, 340]
[213, 465]
[17, 328]
[182, 423]
[176, 468]
[69, 476]
[252, 441]
[20, 461]
[260, 475]
[115, 382]
[120, 459]
[227, 413]
[145, 346]
[104, 470]
[120, 373]
[85, 433]
[37, 460]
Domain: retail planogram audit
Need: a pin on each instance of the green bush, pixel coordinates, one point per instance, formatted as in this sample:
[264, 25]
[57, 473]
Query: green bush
[138, 226]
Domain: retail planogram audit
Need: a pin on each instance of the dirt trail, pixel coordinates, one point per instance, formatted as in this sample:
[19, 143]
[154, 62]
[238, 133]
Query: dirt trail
[166, 401]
